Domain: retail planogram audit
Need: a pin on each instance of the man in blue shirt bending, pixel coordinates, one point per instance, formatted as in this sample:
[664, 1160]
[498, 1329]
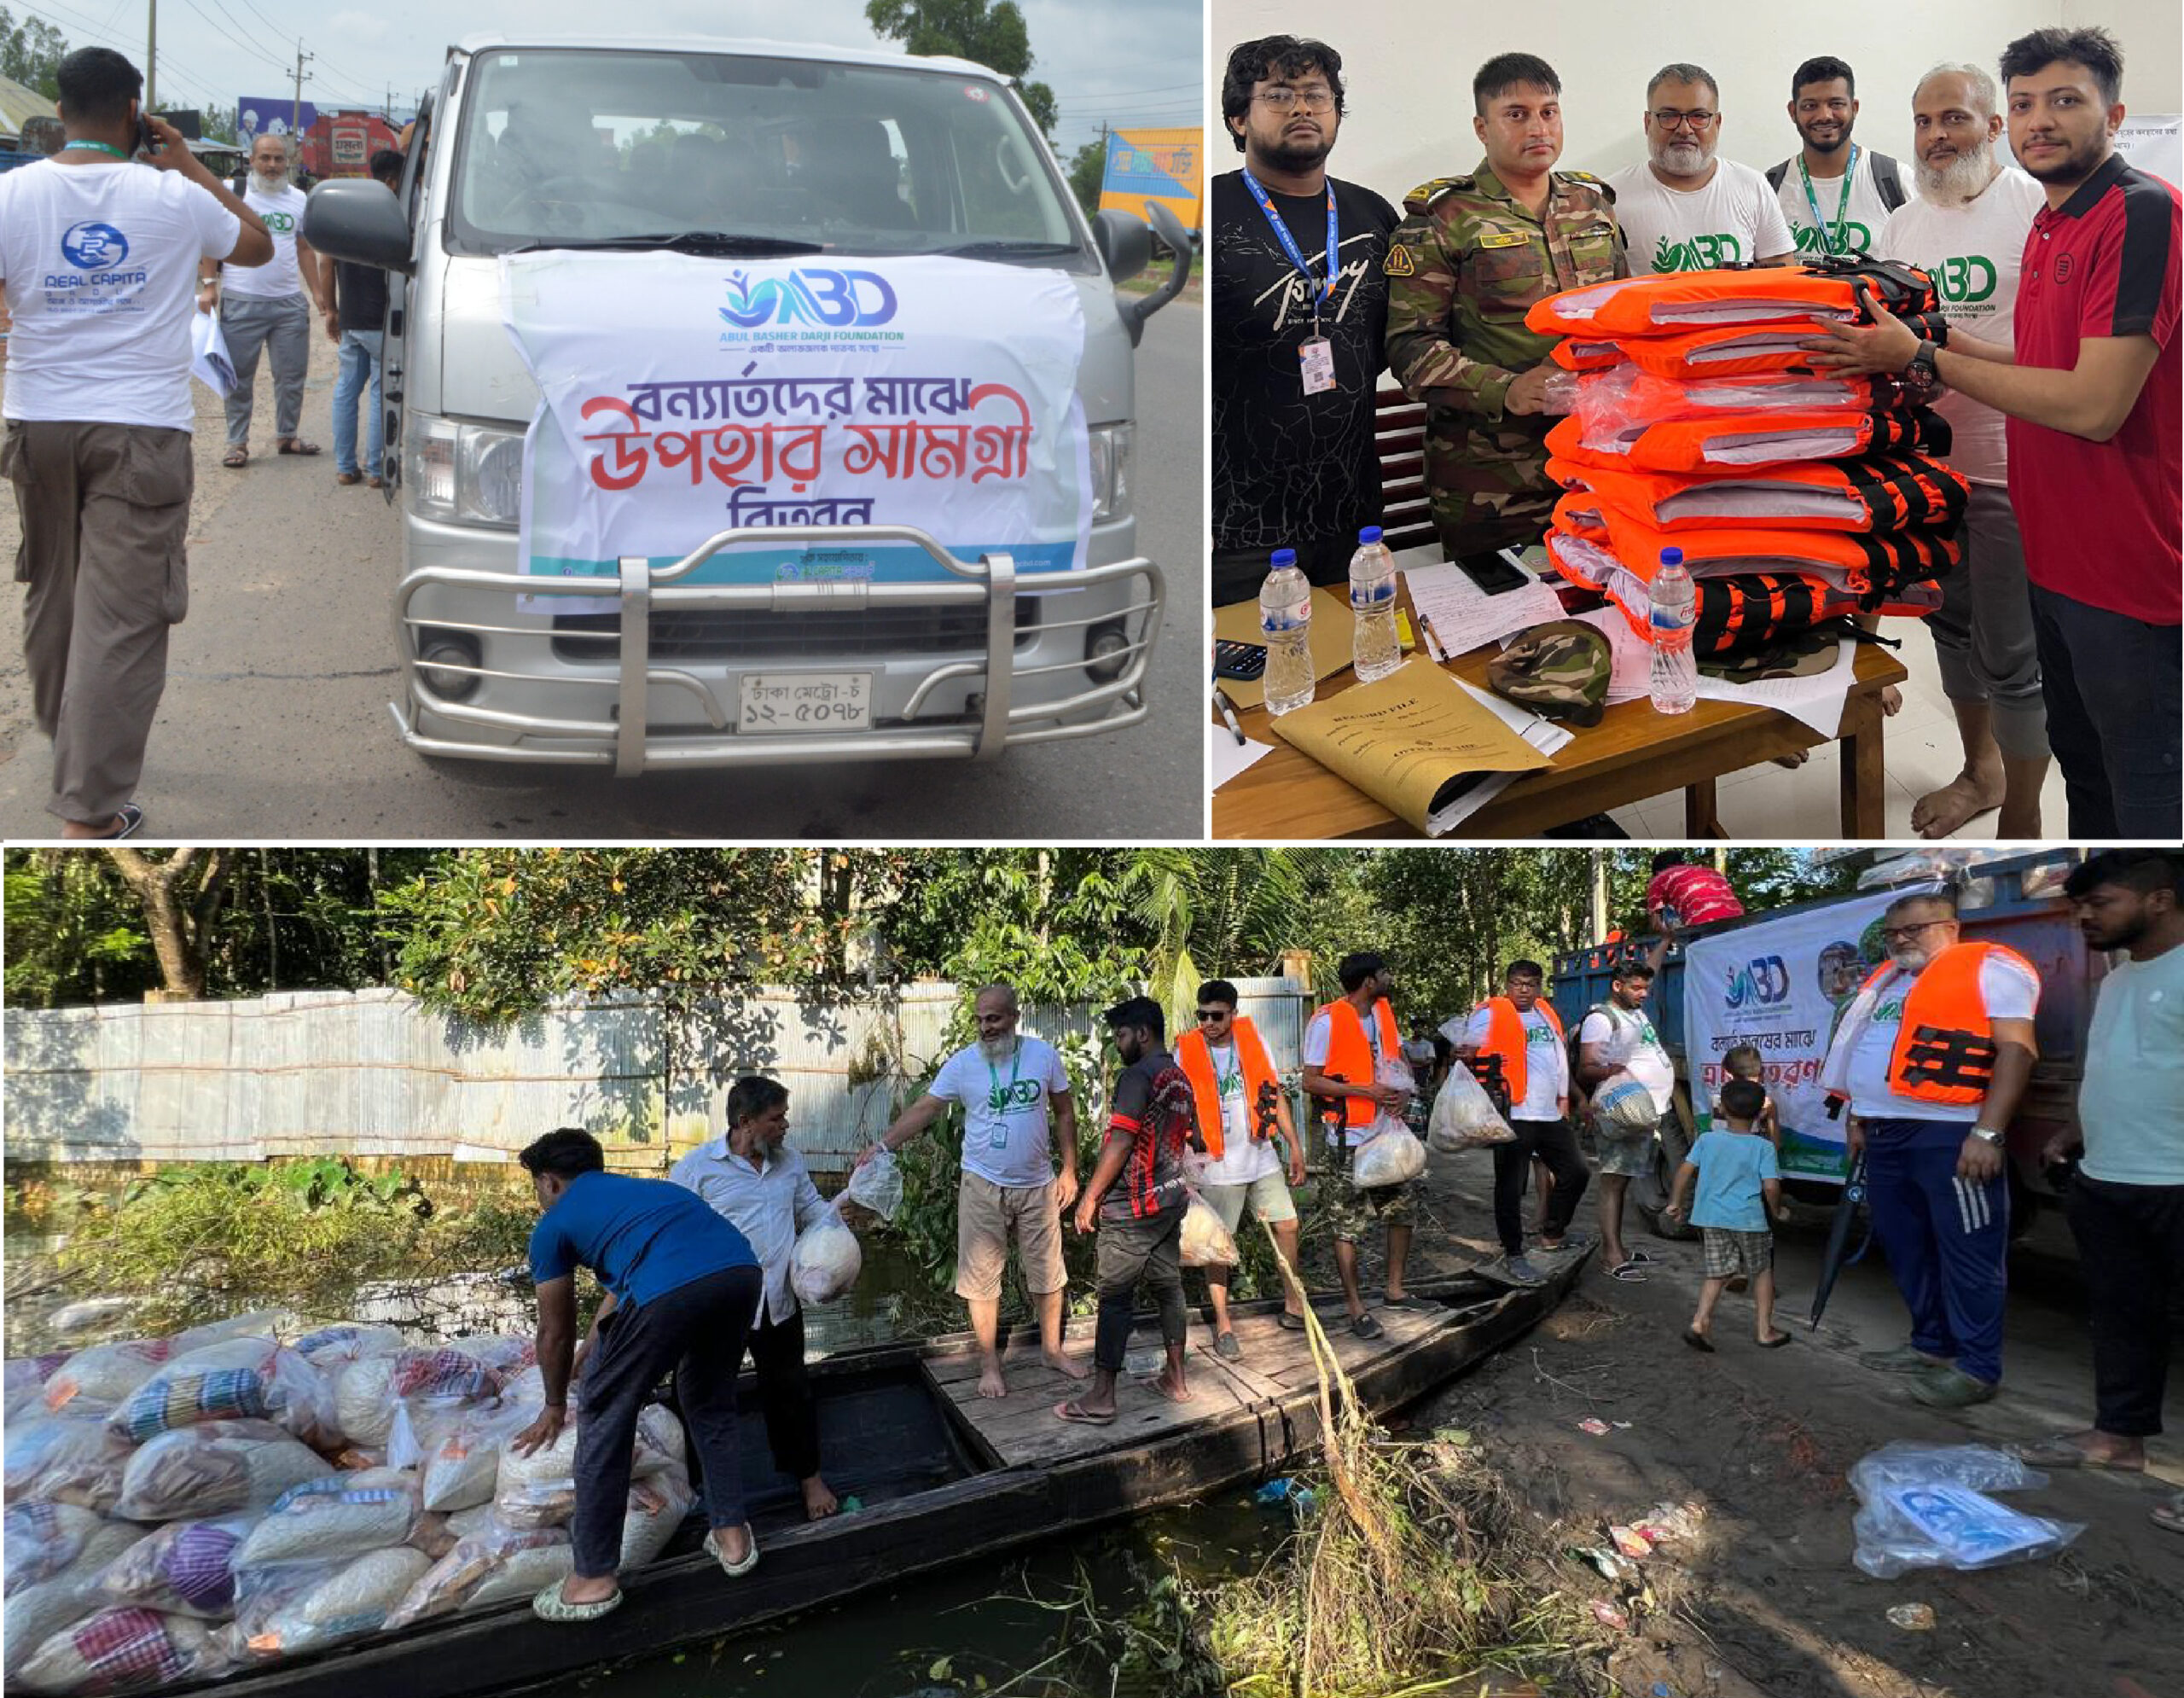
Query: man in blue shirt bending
[682, 1287]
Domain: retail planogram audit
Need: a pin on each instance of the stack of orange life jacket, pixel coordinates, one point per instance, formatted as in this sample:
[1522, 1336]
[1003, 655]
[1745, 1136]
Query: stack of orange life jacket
[1797, 496]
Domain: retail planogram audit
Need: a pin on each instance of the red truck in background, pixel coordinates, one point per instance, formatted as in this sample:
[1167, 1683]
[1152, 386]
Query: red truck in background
[342, 143]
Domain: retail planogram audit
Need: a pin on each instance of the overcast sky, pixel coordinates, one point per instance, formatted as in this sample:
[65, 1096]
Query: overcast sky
[1132, 63]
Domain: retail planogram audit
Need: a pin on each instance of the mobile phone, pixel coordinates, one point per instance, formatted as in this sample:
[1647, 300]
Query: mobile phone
[147, 141]
[1495, 571]
[1233, 659]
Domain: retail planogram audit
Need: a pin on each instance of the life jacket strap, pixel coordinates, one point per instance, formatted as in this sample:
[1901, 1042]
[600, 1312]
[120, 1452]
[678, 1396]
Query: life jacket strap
[1939, 1055]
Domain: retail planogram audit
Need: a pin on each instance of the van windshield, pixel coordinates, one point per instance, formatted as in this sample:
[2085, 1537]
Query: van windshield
[588, 147]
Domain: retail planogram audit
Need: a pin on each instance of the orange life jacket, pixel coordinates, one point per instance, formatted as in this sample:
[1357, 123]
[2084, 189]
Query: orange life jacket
[1586, 353]
[1945, 1045]
[1194, 1056]
[1505, 1036]
[1880, 492]
[1860, 563]
[1350, 1054]
[1814, 294]
[1743, 440]
[1727, 351]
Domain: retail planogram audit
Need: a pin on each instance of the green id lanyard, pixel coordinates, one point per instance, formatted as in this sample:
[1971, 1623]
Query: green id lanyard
[999, 1102]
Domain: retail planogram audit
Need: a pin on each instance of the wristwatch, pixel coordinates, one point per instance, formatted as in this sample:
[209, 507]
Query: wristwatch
[1920, 377]
[1987, 1135]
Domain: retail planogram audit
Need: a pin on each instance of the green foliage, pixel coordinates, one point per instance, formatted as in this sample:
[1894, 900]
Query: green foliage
[31, 51]
[1087, 169]
[989, 33]
[75, 931]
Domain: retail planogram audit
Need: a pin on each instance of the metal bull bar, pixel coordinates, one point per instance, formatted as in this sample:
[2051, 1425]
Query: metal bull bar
[991, 583]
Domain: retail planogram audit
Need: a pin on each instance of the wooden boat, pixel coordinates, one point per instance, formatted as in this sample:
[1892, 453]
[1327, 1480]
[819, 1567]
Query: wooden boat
[944, 1476]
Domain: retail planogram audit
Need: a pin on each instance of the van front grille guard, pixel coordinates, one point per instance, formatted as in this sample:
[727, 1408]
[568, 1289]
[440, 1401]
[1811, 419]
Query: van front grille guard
[990, 583]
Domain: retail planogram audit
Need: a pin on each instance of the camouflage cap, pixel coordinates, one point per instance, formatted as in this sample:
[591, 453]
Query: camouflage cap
[1798, 654]
[1560, 669]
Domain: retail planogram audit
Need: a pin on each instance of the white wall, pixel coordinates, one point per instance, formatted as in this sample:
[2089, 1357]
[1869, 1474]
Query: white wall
[1407, 67]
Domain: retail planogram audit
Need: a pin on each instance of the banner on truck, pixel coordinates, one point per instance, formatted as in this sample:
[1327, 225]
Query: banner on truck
[1167, 165]
[685, 396]
[1779, 986]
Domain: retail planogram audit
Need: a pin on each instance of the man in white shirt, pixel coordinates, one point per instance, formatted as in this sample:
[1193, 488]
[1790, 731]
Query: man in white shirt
[1835, 193]
[1934, 1054]
[1520, 1029]
[1617, 1036]
[97, 252]
[1968, 228]
[1010, 1088]
[1346, 1042]
[750, 1175]
[1684, 210]
[266, 309]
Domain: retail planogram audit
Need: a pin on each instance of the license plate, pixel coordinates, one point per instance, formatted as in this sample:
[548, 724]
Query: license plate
[804, 701]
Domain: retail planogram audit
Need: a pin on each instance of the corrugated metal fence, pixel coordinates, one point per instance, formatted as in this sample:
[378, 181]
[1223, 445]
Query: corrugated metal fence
[375, 1074]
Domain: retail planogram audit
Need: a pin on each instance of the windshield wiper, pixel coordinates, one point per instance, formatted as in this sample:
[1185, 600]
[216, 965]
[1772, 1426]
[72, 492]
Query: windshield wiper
[682, 241]
[968, 248]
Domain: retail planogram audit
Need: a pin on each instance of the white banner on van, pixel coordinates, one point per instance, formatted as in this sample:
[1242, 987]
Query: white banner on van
[1779, 986]
[683, 396]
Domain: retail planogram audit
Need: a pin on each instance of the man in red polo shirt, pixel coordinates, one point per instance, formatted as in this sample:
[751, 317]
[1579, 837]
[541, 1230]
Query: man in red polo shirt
[2092, 396]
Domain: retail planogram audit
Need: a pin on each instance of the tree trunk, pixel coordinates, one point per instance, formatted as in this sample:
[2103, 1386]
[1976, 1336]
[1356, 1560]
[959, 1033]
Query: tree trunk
[178, 917]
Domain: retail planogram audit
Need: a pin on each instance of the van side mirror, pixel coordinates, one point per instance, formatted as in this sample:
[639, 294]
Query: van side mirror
[1124, 242]
[358, 219]
[1178, 242]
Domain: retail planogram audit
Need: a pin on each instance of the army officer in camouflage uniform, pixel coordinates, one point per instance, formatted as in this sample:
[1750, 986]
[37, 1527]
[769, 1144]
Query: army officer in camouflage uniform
[1471, 254]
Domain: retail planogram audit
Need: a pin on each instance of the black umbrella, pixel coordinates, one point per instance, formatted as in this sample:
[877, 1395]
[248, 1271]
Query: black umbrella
[1840, 1255]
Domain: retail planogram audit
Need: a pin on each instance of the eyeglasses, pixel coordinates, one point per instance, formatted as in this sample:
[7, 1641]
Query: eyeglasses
[1669, 118]
[1288, 100]
[1205, 1014]
[1896, 935]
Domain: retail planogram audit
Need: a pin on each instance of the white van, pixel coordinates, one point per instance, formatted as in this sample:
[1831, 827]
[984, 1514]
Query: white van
[631, 278]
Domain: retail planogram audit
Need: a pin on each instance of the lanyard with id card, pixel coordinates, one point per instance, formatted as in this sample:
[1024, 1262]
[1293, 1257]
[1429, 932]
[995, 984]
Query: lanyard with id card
[1315, 352]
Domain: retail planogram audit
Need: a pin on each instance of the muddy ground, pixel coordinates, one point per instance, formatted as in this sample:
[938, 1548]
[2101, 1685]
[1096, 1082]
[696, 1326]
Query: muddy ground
[1766, 1603]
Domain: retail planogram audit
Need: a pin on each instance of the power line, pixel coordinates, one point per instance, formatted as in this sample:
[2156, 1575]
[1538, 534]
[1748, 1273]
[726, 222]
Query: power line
[219, 28]
[1118, 93]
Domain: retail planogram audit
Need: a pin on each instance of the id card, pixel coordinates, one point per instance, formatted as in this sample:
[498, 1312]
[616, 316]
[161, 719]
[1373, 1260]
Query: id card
[1317, 354]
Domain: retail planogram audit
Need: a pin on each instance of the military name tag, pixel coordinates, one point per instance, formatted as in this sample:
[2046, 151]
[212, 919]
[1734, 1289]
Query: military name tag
[1515, 238]
[1317, 354]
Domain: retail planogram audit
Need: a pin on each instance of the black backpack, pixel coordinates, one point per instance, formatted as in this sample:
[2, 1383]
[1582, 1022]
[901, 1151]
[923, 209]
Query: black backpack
[1888, 180]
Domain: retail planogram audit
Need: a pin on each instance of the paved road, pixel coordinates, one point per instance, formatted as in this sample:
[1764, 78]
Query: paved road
[274, 725]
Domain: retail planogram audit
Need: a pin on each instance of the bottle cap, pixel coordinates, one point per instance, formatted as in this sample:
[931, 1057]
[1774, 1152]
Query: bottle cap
[1671, 556]
[1369, 535]
[1284, 557]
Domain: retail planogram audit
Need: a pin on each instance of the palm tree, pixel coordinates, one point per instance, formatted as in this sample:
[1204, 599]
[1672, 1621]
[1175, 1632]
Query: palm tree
[1230, 909]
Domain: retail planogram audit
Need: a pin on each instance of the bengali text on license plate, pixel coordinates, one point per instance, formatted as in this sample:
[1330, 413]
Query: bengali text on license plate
[805, 702]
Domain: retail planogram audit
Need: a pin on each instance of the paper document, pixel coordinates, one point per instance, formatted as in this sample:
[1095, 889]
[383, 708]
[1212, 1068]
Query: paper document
[1329, 637]
[1225, 757]
[1464, 616]
[208, 354]
[1543, 734]
[1630, 677]
[1817, 700]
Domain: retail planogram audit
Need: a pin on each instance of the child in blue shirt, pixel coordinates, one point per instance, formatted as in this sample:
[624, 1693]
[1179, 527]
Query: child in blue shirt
[1739, 1185]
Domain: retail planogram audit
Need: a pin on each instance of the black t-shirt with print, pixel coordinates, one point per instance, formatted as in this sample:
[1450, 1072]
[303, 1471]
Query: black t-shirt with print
[1292, 470]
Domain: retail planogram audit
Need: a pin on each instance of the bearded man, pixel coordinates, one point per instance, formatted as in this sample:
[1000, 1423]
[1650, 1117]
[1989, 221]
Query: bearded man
[264, 307]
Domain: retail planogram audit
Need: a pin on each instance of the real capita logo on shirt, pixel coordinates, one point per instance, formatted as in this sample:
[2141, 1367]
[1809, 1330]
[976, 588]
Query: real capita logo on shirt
[89, 246]
[1705, 252]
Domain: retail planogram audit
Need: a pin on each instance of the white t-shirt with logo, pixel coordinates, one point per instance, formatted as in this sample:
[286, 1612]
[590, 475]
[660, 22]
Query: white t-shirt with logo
[1242, 1160]
[2012, 992]
[1627, 1039]
[1733, 220]
[101, 263]
[1976, 254]
[1547, 1064]
[1859, 226]
[280, 276]
[1319, 1038]
[1005, 1134]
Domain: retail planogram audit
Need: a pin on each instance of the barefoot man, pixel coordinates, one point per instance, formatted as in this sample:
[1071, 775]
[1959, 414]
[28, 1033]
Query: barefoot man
[1011, 1087]
[1137, 1198]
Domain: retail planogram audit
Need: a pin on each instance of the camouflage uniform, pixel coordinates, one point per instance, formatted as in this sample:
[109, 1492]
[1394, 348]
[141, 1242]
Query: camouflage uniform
[1463, 267]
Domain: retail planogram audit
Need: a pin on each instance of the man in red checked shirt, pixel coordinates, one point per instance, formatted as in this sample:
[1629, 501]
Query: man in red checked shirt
[2092, 396]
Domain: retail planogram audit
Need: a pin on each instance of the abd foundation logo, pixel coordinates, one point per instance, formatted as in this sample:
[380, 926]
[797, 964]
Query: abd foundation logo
[1965, 278]
[94, 247]
[1848, 237]
[279, 223]
[835, 301]
[1697, 253]
[1011, 1099]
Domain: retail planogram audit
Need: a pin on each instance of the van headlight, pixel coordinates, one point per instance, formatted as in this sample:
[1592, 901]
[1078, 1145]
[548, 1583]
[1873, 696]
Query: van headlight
[1110, 447]
[465, 473]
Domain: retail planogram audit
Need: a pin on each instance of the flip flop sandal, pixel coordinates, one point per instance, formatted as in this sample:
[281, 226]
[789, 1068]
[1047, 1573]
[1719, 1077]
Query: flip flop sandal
[1291, 1323]
[2059, 1453]
[1405, 1301]
[734, 1570]
[1083, 1417]
[1699, 1341]
[1774, 1343]
[2169, 1515]
[550, 1606]
[128, 818]
[1643, 1260]
[1630, 1272]
[236, 458]
[295, 444]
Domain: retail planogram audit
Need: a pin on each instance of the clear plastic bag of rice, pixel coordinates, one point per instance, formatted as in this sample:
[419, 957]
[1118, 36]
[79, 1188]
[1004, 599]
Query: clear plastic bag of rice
[40, 1539]
[256, 1324]
[184, 1568]
[124, 1650]
[1624, 1107]
[105, 1374]
[505, 1354]
[68, 1458]
[251, 1379]
[335, 1518]
[1393, 1157]
[308, 1606]
[364, 1400]
[660, 1443]
[468, 1523]
[540, 1489]
[39, 1611]
[214, 1468]
[369, 1391]
[656, 1508]
[492, 1564]
[25, 1385]
[878, 1185]
[1206, 1243]
[461, 1451]
[329, 1349]
[826, 1260]
[1464, 1115]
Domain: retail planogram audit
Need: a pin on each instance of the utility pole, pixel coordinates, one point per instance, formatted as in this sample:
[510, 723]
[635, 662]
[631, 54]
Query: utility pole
[296, 113]
[1600, 895]
[152, 56]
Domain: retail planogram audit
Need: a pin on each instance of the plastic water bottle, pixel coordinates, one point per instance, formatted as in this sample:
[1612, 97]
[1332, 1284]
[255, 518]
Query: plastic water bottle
[1373, 650]
[1285, 623]
[1675, 610]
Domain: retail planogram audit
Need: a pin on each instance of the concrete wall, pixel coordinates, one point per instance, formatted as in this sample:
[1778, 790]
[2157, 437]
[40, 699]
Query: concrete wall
[374, 1074]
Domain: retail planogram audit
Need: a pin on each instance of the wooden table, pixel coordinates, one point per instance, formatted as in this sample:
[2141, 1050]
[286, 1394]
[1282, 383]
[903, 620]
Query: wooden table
[1634, 752]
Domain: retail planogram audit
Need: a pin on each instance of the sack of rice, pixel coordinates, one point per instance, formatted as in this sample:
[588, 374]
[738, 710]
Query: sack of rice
[38, 1612]
[878, 1185]
[1464, 1115]
[824, 1262]
[370, 1390]
[505, 1354]
[463, 1456]
[312, 1606]
[659, 1442]
[214, 1468]
[40, 1539]
[65, 1459]
[363, 1399]
[540, 1489]
[493, 1564]
[1207, 1242]
[656, 1508]
[329, 1349]
[238, 1378]
[105, 1374]
[335, 1518]
[184, 1568]
[124, 1650]
[263, 1324]
[469, 1523]
[25, 1380]
[1624, 1107]
[1394, 1156]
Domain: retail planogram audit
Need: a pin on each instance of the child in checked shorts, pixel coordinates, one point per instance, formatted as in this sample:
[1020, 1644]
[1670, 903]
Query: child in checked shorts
[1740, 1185]
[1743, 1061]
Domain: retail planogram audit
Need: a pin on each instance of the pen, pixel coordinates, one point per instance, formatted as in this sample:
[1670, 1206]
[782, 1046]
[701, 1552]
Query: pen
[1228, 713]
